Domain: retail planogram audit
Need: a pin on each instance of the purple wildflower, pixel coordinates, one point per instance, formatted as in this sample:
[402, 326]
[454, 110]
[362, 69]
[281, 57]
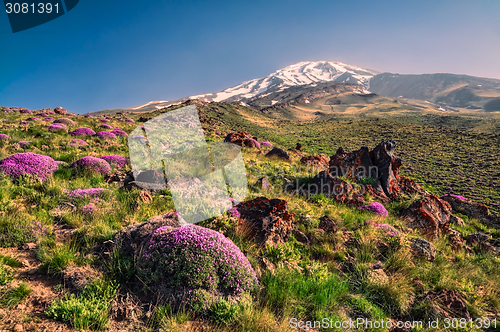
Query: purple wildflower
[82, 131]
[47, 119]
[4, 137]
[106, 126]
[265, 143]
[77, 142]
[234, 212]
[24, 144]
[55, 127]
[119, 132]
[105, 135]
[90, 192]
[376, 208]
[92, 164]
[129, 120]
[88, 209]
[104, 120]
[88, 116]
[24, 111]
[116, 160]
[28, 163]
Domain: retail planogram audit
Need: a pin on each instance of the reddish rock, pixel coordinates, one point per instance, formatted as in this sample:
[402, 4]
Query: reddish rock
[268, 220]
[317, 161]
[449, 302]
[237, 138]
[352, 165]
[277, 152]
[472, 209]
[430, 215]
[251, 143]
[60, 110]
[328, 185]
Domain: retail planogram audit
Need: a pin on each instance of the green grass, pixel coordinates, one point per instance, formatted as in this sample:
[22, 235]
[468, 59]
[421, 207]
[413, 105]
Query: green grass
[14, 296]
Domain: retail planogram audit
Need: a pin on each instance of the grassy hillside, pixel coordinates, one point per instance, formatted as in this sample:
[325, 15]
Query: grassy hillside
[329, 275]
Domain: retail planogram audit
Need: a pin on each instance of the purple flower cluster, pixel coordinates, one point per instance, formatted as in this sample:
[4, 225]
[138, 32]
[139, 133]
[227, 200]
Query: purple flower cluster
[65, 121]
[4, 137]
[28, 163]
[92, 164]
[20, 233]
[234, 212]
[55, 127]
[88, 209]
[116, 160]
[77, 142]
[194, 257]
[90, 192]
[386, 228]
[129, 120]
[105, 135]
[104, 120]
[456, 196]
[119, 132]
[376, 208]
[82, 131]
[105, 126]
[88, 116]
[266, 143]
[47, 119]
[24, 111]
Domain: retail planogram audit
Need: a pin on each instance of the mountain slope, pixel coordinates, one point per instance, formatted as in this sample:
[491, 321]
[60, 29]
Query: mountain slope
[297, 74]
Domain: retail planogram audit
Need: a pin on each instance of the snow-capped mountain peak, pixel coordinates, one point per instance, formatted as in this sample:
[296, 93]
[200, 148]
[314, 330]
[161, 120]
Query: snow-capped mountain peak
[306, 72]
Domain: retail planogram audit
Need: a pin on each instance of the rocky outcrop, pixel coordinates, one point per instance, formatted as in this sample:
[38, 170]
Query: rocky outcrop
[449, 303]
[237, 138]
[485, 242]
[60, 110]
[327, 224]
[472, 209]
[430, 215]
[277, 152]
[316, 161]
[423, 248]
[267, 220]
[381, 165]
[328, 185]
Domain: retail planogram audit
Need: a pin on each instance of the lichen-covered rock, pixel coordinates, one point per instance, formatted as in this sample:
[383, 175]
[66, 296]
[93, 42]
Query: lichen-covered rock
[423, 248]
[327, 224]
[317, 161]
[268, 219]
[277, 152]
[447, 303]
[430, 215]
[472, 209]
[237, 138]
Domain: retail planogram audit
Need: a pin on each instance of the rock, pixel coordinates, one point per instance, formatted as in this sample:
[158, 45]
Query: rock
[423, 248]
[264, 184]
[18, 328]
[377, 276]
[21, 307]
[477, 238]
[2, 313]
[251, 143]
[29, 246]
[60, 110]
[485, 242]
[130, 238]
[324, 183]
[268, 219]
[298, 146]
[352, 165]
[472, 210]
[59, 211]
[280, 153]
[24, 263]
[237, 138]
[449, 303]
[317, 161]
[327, 224]
[267, 265]
[145, 197]
[430, 215]
[301, 237]
[457, 220]
[77, 277]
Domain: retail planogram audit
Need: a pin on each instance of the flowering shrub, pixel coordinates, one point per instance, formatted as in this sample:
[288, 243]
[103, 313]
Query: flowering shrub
[376, 208]
[88, 116]
[88, 209]
[22, 232]
[82, 131]
[49, 118]
[192, 257]
[106, 135]
[92, 164]
[249, 142]
[129, 120]
[106, 126]
[4, 137]
[24, 144]
[24, 111]
[24, 123]
[265, 143]
[119, 132]
[90, 192]
[77, 142]
[65, 121]
[234, 212]
[55, 127]
[116, 160]
[104, 120]
[28, 163]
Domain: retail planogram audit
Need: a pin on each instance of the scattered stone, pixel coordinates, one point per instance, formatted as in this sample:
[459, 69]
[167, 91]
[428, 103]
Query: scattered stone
[449, 303]
[377, 276]
[268, 219]
[264, 184]
[478, 238]
[237, 138]
[145, 197]
[77, 277]
[472, 210]
[267, 265]
[298, 146]
[18, 328]
[317, 161]
[327, 224]
[59, 211]
[430, 215]
[280, 153]
[423, 248]
[457, 220]
[29, 246]
[301, 237]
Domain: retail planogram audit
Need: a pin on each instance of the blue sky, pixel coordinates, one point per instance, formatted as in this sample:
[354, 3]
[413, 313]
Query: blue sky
[113, 54]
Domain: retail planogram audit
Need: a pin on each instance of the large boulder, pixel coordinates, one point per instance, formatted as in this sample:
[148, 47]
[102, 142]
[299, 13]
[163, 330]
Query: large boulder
[268, 220]
[472, 209]
[237, 138]
[430, 215]
[316, 161]
[328, 185]
[423, 248]
[280, 153]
